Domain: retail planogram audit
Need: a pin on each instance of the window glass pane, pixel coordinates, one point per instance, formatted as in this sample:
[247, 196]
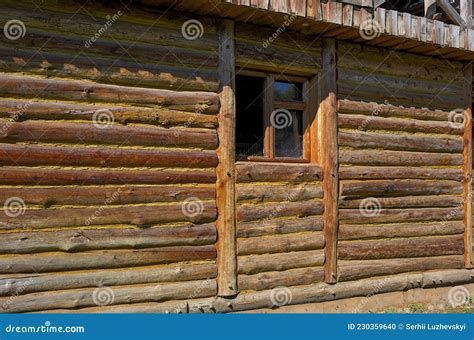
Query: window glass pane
[288, 91]
[249, 120]
[288, 133]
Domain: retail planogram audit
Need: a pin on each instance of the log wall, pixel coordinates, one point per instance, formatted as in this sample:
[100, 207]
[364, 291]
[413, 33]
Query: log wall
[280, 240]
[401, 191]
[107, 159]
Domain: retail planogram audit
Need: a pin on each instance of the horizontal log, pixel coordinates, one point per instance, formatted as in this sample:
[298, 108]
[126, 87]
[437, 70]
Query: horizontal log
[58, 261]
[399, 188]
[277, 172]
[362, 122]
[280, 226]
[112, 195]
[251, 193]
[321, 292]
[381, 215]
[291, 277]
[24, 86]
[356, 270]
[82, 133]
[360, 232]
[35, 155]
[402, 142]
[383, 110]
[439, 201]
[267, 212]
[397, 158]
[96, 239]
[22, 109]
[13, 284]
[163, 70]
[367, 172]
[78, 298]
[400, 248]
[280, 243]
[253, 264]
[195, 211]
[41, 176]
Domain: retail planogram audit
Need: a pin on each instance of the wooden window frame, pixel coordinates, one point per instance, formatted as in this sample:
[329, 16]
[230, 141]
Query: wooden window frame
[307, 106]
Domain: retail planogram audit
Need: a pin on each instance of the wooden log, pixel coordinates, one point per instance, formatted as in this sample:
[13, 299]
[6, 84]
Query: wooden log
[253, 264]
[392, 188]
[356, 270]
[367, 172]
[402, 142]
[109, 295]
[81, 133]
[58, 261]
[280, 243]
[356, 216]
[383, 110]
[400, 248]
[361, 232]
[21, 109]
[24, 86]
[406, 202]
[39, 176]
[397, 158]
[113, 195]
[96, 239]
[280, 226]
[329, 156]
[372, 122]
[291, 277]
[226, 177]
[321, 292]
[251, 193]
[277, 172]
[12, 284]
[267, 212]
[193, 210]
[34, 155]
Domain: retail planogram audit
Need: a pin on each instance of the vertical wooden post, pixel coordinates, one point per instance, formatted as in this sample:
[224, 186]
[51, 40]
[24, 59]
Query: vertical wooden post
[327, 126]
[467, 166]
[225, 197]
[466, 13]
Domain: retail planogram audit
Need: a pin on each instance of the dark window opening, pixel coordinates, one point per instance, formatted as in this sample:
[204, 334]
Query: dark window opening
[249, 124]
[271, 119]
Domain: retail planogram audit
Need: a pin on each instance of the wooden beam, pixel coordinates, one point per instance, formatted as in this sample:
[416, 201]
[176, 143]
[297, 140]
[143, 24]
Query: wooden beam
[329, 156]
[450, 11]
[467, 185]
[225, 196]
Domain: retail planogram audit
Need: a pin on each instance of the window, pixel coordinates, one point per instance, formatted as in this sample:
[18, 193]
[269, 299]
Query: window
[272, 119]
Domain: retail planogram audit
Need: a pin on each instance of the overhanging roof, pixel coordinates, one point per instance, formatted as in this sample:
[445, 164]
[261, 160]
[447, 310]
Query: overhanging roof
[343, 21]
